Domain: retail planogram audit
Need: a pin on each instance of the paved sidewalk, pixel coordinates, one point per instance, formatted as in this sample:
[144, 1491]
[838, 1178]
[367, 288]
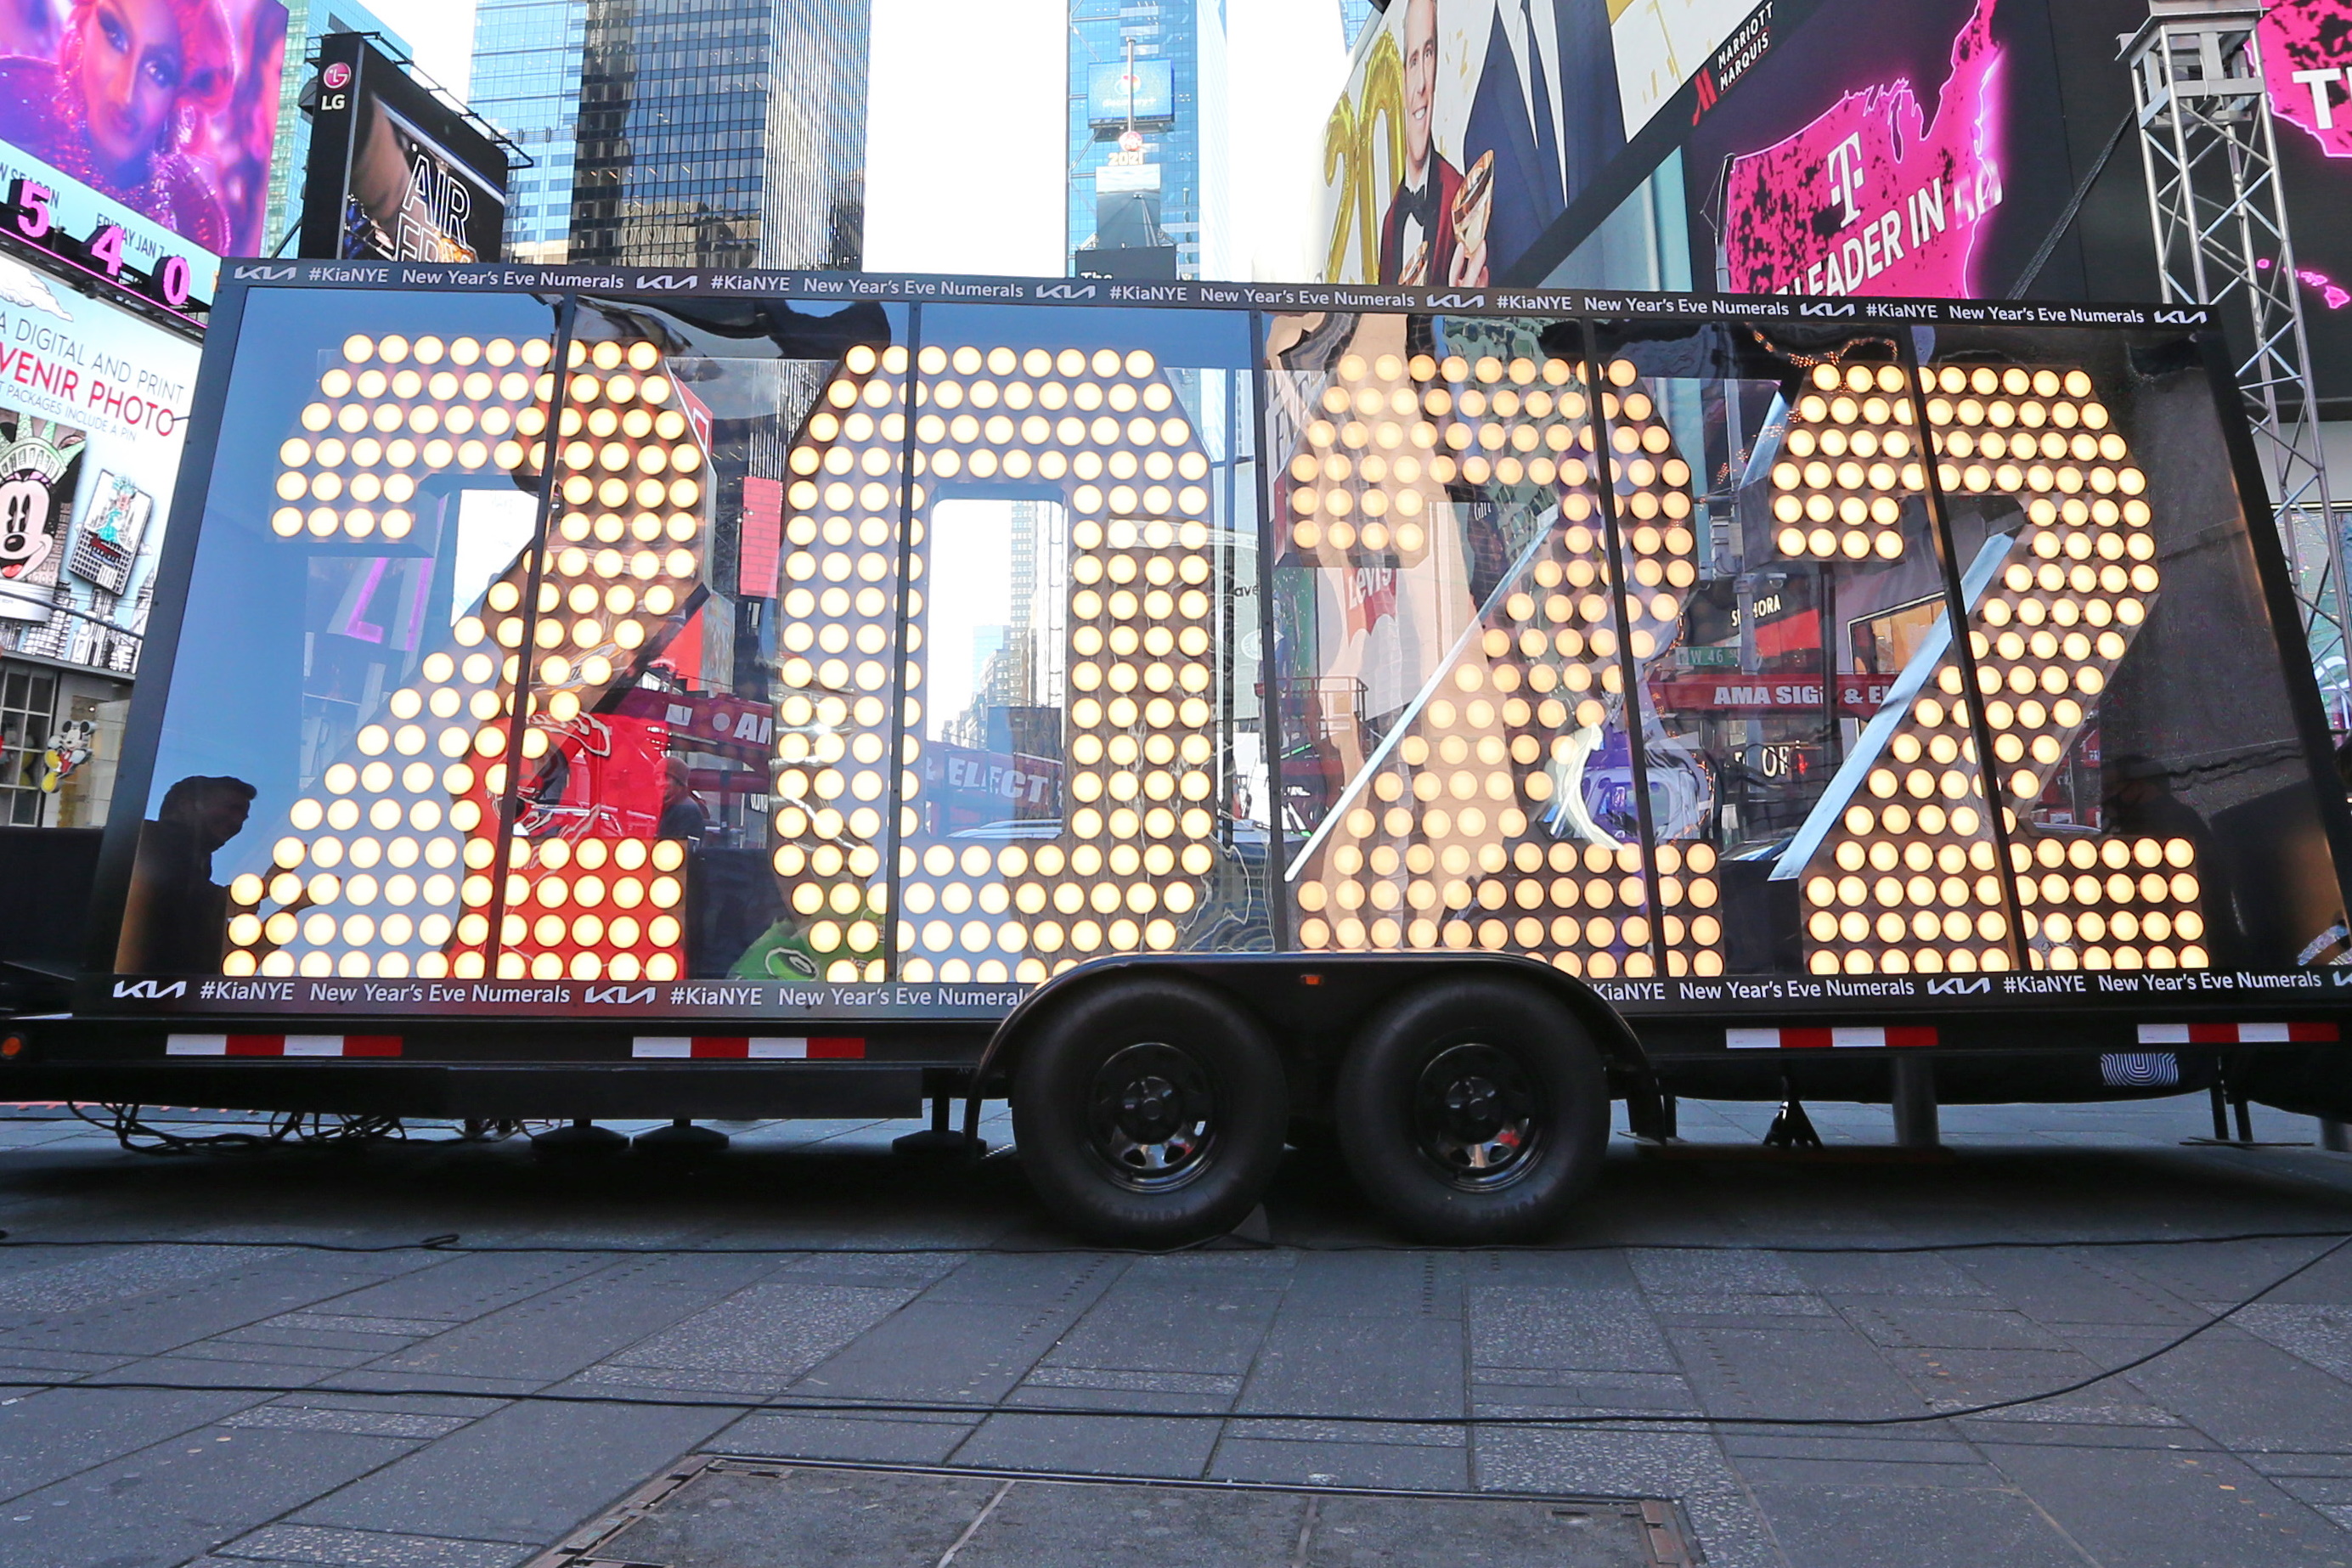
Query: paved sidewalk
[1334, 1357]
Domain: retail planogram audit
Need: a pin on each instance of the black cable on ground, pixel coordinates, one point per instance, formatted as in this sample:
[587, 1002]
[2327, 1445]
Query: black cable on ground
[779, 1404]
[449, 1242]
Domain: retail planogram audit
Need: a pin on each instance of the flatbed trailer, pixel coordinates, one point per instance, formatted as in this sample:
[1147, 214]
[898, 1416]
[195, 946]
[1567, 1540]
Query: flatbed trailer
[1204, 715]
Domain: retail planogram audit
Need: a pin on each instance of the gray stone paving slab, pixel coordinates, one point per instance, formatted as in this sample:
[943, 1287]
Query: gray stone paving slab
[311, 1543]
[775, 1330]
[955, 1348]
[2320, 1335]
[371, 1423]
[1795, 1366]
[2162, 1508]
[1603, 1329]
[905, 1441]
[46, 1437]
[174, 1499]
[460, 1289]
[551, 1335]
[1095, 1444]
[1906, 1326]
[1326, 1462]
[526, 1474]
[75, 1282]
[1902, 1523]
[1359, 1366]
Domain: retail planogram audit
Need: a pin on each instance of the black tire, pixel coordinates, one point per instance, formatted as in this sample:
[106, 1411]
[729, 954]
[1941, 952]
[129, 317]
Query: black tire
[1473, 1111]
[1149, 1112]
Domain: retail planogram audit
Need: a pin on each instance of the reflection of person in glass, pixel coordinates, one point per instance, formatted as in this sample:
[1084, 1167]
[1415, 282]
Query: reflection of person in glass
[115, 109]
[1417, 236]
[683, 815]
[175, 921]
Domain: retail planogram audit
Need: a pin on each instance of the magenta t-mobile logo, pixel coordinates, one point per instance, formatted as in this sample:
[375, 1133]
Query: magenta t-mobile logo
[1871, 198]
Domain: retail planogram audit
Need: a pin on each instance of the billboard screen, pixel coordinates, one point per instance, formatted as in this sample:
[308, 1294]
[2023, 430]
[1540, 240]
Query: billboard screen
[1143, 90]
[1464, 134]
[2306, 48]
[92, 405]
[394, 174]
[168, 110]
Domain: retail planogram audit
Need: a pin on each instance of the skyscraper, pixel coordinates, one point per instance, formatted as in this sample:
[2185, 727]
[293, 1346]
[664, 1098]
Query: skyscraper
[726, 135]
[1140, 199]
[1354, 13]
[308, 21]
[527, 58]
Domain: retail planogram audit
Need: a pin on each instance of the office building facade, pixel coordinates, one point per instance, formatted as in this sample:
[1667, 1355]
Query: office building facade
[527, 59]
[731, 134]
[1141, 200]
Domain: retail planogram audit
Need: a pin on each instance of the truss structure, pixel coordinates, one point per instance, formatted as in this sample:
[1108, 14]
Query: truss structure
[2221, 238]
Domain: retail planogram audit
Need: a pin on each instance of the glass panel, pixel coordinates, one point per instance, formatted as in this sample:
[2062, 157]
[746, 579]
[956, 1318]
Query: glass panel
[2150, 770]
[1455, 655]
[338, 672]
[1824, 799]
[1089, 775]
[705, 789]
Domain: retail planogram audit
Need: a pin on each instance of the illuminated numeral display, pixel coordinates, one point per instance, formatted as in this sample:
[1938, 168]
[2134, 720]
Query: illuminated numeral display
[1105, 430]
[391, 870]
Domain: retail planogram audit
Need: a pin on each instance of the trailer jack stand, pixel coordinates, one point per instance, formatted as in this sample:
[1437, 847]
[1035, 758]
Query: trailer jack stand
[582, 1139]
[1791, 1128]
[681, 1140]
[939, 1138]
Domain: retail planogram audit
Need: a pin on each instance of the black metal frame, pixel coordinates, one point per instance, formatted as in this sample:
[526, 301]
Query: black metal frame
[968, 1044]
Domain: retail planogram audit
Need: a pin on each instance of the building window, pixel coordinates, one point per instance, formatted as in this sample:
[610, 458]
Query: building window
[28, 699]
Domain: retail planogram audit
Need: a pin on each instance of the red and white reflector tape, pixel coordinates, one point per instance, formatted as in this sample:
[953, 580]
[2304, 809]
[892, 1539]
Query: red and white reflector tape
[282, 1046]
[1869, 1038]
[751, 1048]
[2233, 1034]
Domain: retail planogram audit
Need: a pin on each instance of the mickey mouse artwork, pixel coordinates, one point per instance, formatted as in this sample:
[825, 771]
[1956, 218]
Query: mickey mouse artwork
[41, 461]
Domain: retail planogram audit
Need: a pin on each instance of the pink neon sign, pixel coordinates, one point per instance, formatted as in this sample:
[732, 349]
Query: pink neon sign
[2306, 48]
[1870, 198]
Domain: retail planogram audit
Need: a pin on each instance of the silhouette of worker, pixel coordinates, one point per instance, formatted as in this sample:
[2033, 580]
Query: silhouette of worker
[175, 920]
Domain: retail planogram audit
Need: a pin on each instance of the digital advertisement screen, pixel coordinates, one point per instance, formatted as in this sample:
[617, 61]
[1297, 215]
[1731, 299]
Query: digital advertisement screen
[394, 174]
[1463, 134]
[1144, 91]
[93, 408]
[1884, 151]
[170, 110]
[2306, 47]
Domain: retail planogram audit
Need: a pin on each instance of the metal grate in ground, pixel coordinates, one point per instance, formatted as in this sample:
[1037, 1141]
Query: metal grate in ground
[727, 1511]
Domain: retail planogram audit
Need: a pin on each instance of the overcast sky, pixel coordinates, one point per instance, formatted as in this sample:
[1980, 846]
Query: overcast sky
[442, 34]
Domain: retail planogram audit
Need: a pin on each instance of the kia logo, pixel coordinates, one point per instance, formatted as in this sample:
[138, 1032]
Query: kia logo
[620, 995]
[1456, 301]
[150, 990]
[1066, 291]
[665, 280]
[1825, 309]
[1958, 987]
[2181, 318]
[267, 274]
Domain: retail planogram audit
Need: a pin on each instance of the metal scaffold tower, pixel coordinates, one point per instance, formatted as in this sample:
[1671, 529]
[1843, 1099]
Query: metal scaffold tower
[2222, 239]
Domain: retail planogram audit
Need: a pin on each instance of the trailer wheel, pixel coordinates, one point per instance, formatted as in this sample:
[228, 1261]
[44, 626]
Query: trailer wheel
[1149, 1112]
[1473, 1112]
